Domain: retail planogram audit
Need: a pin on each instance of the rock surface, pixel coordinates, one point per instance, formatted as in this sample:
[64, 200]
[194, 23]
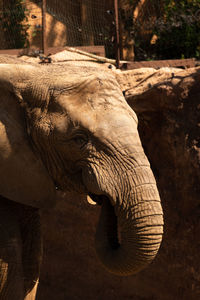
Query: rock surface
[167, 102]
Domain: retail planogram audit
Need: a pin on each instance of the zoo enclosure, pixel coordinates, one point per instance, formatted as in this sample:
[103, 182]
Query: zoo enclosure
[148, 29]
[40, 25]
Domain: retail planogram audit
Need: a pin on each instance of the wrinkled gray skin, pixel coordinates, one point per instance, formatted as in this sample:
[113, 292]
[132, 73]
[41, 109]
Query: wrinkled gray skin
[72, 130]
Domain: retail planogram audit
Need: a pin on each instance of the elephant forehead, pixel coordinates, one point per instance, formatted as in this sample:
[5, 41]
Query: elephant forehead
[109, 123]
[96, 103]
[92, 91]
[116, 125]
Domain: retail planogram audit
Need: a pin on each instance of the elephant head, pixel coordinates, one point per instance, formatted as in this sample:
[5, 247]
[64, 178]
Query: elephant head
[73, 130]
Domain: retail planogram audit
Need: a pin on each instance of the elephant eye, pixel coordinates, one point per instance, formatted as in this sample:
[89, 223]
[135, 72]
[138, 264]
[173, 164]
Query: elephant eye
[80, 140]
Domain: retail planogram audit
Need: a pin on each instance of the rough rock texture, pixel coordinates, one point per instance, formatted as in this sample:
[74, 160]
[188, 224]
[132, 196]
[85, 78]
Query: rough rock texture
[167, 103]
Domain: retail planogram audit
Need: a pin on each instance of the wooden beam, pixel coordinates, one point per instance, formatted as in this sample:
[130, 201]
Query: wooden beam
[44, 35]
[117, 42]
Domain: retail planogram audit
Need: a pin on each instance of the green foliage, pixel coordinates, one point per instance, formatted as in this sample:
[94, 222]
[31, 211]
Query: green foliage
[178, 31]
[15, 31]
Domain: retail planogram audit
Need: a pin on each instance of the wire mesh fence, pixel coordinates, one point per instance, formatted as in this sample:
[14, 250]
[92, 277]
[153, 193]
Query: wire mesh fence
[149, 29]
[87, 22]
[84, 21]
[162, 29]
[68, 22]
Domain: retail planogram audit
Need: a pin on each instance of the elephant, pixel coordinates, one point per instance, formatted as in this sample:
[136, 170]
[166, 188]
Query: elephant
[71, 129]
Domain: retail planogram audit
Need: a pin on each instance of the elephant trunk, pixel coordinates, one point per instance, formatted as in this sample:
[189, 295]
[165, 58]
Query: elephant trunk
[129, 234]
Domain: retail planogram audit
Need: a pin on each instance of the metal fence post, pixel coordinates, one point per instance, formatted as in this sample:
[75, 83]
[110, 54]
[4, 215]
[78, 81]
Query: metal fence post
[117, 45]
[44, 41]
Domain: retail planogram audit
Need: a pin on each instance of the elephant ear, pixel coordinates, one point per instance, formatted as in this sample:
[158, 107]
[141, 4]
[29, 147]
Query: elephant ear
[23, 177]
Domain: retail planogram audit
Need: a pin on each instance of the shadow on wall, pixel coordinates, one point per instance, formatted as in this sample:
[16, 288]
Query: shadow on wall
[56, 32]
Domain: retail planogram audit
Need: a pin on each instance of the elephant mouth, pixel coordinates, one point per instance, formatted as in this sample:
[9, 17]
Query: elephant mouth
[111, 229]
